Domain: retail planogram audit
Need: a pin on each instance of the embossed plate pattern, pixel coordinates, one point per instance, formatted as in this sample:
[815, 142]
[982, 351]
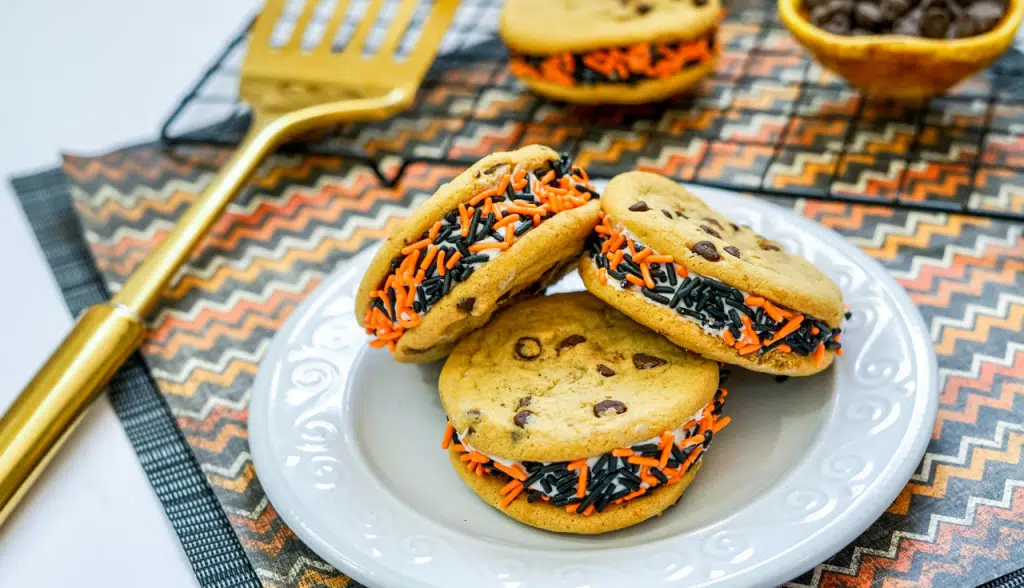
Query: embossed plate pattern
[346, 445]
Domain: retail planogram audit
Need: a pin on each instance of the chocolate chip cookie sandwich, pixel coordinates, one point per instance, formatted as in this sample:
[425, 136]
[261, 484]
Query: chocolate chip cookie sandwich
[610, 51]
[508, 226]
[670, 262]
[568, 416]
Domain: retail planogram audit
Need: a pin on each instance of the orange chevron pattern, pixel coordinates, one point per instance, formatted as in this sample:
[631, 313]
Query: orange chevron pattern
[304, 214]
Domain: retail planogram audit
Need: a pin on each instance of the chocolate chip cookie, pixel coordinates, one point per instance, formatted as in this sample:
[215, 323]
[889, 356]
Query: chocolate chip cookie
[569, 416]
[670, 262]
[611, 51]
[507, 227]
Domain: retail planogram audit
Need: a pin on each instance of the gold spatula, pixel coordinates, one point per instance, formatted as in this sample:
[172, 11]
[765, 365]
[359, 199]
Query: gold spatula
[292, 89]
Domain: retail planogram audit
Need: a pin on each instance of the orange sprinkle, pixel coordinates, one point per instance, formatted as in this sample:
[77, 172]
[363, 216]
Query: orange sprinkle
[512, 218]
[815, 330]
[642, 255]
[720, 424]
[729, 339]
[453, 260]
[572, 507]
[749, 348]
[431, 253]
[548, 177]
[511, 496]
[784, 348]
[819, 355]
[575, 465]
[695, 440]
[440, 264]
[520, 473]
[510, 486]
[645, 271]
[378, 342]
[459, 447]
[481, 196]
[754, 301]
[748, 330]
[839, 352]
[792, 325]
[691, 458]
[622, 452]
[659, 258]
[477, 247]
[773, 311]
[589, 511]
[414, 246]
[511, 471]
[648, 461]
[666, 450]
[635, 280]
[478, 457]
[602, 275]
[466, 457]
[836, 338]
[434, 230]
[510, 236]
[503, 184]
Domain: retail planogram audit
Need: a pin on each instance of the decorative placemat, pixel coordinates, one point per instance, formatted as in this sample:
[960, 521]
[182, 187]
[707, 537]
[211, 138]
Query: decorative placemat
[960, 519]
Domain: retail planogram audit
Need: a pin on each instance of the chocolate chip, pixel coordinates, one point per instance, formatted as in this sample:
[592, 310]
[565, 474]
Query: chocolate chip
[706, 249]
[769, 246]
[466, 304]
[605, 370]
[528, 348]
[608, 406]
[522, 418]
[643, 9]
[642, 361]
[666, 213]
[712, 221]
[473, 413]
[734, 226]
[570, 341]
[893, 9]
[732, 251]
[699, 3]
[935, 21]
[680, 214]
[710, 231]
[867, 15]
[524, 402]
[640, 206]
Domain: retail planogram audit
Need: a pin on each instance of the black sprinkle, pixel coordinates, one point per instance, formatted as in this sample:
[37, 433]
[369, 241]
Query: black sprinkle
[473, 223]
[447, 282]
[391, 298]
[660, 476]
[602, 462]
[654, 296]
[616, 275]
[848, 315]
[670, 270]
[463, 248]
[523, 226]
[533, 496]
[645, 448]
[546, 486]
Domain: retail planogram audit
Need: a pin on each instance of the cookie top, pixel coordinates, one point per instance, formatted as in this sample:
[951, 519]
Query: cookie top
[563, 377]
[709, 244]
[550, 26]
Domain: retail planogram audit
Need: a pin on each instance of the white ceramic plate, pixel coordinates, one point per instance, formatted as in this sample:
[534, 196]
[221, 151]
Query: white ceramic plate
[346, 444]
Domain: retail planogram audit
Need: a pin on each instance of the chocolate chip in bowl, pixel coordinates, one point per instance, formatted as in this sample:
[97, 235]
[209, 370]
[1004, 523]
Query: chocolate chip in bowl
[904, 50]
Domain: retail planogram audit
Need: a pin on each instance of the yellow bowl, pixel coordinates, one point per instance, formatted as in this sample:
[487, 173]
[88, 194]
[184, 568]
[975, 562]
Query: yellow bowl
[897, 66]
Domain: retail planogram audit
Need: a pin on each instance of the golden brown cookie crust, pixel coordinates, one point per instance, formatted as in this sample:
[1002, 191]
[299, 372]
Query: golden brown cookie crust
[555, 518]
[690, 335]
[484, 381]
[639, 93]
[784, 278]
[542, 27]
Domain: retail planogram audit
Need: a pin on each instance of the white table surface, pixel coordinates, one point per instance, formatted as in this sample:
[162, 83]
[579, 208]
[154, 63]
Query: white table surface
[85, 77]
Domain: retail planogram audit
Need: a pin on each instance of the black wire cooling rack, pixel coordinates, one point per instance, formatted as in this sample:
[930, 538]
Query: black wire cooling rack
[769, 121]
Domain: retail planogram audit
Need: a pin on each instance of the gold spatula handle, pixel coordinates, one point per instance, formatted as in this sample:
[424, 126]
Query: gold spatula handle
[53, 402]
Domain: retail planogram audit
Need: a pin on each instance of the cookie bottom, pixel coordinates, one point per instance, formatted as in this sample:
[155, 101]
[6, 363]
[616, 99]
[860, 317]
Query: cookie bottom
[690, 335]
[542, 515]
[647, 91]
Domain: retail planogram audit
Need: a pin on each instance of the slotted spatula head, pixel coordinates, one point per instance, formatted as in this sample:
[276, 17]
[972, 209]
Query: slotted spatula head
[286, 69]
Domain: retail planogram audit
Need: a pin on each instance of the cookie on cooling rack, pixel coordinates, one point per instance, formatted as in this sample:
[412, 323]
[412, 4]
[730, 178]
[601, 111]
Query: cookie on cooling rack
[610, 51]
[507, 227]
[667, 260]
[568, 416]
